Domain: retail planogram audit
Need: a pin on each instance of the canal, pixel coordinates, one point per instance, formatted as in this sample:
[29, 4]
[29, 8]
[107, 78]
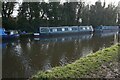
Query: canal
[22, 58]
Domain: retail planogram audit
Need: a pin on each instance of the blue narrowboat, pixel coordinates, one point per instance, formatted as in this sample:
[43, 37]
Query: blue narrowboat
[107, 29]
[8, 34]
[43, 31]
[2, 32]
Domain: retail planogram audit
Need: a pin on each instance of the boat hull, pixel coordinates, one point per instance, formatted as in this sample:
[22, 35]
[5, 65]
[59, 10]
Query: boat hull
[62, 34]
[105, 31]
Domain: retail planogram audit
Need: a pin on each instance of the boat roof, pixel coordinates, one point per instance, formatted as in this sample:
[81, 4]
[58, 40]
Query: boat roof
[66, 27]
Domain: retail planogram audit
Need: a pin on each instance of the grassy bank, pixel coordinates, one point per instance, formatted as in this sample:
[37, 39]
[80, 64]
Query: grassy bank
[83, 66]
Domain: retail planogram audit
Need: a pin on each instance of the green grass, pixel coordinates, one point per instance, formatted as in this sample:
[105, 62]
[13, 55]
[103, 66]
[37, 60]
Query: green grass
[82, 66]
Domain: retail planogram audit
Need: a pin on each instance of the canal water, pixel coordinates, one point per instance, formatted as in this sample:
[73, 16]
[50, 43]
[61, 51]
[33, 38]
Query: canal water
[24, 57]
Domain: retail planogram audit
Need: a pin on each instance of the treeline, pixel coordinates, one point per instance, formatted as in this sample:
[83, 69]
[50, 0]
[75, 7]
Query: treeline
[32, 15]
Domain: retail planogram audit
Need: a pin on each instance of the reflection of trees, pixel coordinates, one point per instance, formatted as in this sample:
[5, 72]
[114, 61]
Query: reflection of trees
[54, 52]
[11, 65]
[19, 61]
[119, 38]
[115, 38]
[40, 56]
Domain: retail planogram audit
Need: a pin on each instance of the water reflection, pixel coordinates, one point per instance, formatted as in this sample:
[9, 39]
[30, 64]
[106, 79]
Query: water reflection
[24, 57]
[65, 38]
[106, 34]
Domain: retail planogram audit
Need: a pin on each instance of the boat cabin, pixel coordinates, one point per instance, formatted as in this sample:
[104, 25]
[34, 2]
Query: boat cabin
[65, 29]
[8, 34]
[107, 28]
[11, 32]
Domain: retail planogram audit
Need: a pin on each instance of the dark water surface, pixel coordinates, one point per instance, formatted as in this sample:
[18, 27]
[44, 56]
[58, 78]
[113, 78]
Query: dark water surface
[22, 58]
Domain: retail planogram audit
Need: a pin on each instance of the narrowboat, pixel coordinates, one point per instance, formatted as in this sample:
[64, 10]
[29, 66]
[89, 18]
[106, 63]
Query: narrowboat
[55, 31]
[8, 34]
[107, 29]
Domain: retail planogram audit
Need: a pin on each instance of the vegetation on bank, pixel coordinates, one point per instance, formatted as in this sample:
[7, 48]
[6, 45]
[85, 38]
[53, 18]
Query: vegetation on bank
[83, 66]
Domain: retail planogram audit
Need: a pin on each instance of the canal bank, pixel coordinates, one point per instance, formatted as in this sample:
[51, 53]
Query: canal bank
[86, 66]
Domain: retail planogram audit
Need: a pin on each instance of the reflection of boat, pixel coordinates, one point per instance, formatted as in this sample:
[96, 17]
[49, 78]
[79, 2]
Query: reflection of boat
[8, 34]
[44, 31]
[5, 42]
[3, 45]
[106, 34]
[107, 29]
[65, 38]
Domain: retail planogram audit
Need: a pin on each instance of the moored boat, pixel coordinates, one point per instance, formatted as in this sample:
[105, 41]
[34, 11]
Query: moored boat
[107, 29]
[8, 34]
[55, 31]
[2, 32]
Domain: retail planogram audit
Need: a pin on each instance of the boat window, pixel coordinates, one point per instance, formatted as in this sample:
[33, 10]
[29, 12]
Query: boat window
[70, 29]
[55, 30]
[11, 32]
[59, 29]
[80, 28]
[44, 30]
[63, 29]
[74, 29]
[104, 27]
[88, 27]
[51, 30]
[100, 27]
[66, 29]
[84, 28]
